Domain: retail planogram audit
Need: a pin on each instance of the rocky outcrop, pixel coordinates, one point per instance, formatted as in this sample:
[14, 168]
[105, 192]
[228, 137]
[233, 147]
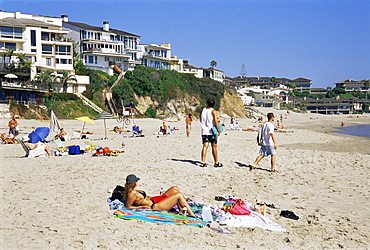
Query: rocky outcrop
[232, 105]
[180, 107]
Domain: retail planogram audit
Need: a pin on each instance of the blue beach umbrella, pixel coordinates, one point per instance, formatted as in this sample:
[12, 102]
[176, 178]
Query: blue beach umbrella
[38, 134]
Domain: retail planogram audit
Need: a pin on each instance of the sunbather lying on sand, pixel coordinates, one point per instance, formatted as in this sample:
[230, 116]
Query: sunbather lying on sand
[138, 199]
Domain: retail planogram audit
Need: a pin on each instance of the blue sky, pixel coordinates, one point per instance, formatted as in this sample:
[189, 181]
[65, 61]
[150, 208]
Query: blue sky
[323, 40]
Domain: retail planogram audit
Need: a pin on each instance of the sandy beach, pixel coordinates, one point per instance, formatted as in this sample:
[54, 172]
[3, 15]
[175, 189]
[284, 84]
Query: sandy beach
[61, 201]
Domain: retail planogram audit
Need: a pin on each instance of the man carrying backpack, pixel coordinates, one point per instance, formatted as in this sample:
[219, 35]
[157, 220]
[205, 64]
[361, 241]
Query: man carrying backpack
[269, 145]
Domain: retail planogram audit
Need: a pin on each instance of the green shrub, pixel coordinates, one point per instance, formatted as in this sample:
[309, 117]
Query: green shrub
[150, 112]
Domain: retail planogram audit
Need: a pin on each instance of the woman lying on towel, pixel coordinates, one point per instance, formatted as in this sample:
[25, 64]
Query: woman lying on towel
[138, 199]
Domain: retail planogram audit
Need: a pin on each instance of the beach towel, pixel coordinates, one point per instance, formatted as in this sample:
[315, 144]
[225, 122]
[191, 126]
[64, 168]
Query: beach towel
[158, 216]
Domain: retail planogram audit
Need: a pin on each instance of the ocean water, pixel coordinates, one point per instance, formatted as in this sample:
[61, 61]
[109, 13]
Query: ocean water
[360, 130]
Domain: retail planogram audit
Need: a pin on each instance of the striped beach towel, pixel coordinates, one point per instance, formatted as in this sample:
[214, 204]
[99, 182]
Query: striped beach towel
[159, 216]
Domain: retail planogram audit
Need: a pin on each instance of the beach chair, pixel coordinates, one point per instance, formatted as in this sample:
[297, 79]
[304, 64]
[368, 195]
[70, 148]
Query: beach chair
[136, 131]
[25, 148]
[60, 146]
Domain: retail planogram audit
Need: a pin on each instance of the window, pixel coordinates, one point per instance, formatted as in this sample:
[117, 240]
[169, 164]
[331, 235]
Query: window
[11, 32]
[48, 61]
[62, 50]
[107, 59]
[8, 46]
[33, 37]
[96, 60]
[47, 49]
[91, 59]
[45, 36]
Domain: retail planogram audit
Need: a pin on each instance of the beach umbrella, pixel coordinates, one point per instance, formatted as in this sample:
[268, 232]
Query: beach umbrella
[38, 134]
[84, 119]
[54, 123]
[170, 119]
[104, 115]
[225, 117]
[10, 75]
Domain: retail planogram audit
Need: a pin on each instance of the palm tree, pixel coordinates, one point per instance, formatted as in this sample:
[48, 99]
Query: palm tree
[329, 92]
[6, 53]
[366, 84]
[46, 78]
[273, 80]
[65, 78]
[213, 63]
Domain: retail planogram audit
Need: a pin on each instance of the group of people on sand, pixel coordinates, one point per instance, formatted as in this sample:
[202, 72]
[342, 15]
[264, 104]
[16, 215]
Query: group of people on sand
[11, 137]
[210, 123]
[135, 198]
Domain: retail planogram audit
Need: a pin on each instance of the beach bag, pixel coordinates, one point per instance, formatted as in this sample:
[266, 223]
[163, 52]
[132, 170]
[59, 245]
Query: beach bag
[215, 132]
[259, 138]
[74, 150]
[236, 207]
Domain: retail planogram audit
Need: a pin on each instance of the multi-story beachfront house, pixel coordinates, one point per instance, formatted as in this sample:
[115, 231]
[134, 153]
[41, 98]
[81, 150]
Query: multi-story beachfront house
[212, 73]
[156, 56]
[302, 84]
[101, 48]
[352, 85]
[28, 45]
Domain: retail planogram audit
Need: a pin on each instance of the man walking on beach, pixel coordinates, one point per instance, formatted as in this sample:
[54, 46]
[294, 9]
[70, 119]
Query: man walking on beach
[269, 145]
[188, 121]
[208, 119]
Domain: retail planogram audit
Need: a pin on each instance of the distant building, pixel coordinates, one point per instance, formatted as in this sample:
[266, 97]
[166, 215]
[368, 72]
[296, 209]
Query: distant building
[329, 105]
[212, 73]
[271, 97]
[100, 48]
[352, 85]
[302, 84]
[318, 91]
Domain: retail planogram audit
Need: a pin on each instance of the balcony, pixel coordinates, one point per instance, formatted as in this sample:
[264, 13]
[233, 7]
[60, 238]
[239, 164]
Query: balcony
[18, 85]
[105, 51]
[9, 68]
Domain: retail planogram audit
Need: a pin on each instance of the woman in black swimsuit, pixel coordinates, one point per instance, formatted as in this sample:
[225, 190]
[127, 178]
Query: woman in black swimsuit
[139, 199]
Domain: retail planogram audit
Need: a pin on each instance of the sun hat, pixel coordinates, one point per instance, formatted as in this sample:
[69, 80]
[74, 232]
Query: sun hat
[131, 179]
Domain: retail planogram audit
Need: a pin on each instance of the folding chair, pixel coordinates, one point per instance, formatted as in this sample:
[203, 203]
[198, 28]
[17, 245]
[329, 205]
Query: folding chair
[60, 146]
[136, 131]
[25, 148]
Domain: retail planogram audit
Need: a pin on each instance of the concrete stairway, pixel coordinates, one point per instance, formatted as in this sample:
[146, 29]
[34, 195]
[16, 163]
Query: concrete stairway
[89, 103]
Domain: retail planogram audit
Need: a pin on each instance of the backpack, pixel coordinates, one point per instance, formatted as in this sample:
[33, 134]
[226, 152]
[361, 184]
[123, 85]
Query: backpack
[259, 137]
[118, 193]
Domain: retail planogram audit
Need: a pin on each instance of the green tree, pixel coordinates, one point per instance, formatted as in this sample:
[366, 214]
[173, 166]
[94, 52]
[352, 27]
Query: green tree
[65, 78]
[213, 64]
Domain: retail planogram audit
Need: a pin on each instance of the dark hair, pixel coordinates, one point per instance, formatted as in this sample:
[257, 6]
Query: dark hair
[270, 115]
[210, 102]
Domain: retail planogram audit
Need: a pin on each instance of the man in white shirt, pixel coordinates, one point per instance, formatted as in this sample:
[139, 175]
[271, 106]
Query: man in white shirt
[208, 119]
[269, 142]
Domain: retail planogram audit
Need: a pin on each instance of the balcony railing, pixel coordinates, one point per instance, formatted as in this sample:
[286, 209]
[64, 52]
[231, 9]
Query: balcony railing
[7, 68]
[23, 85]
